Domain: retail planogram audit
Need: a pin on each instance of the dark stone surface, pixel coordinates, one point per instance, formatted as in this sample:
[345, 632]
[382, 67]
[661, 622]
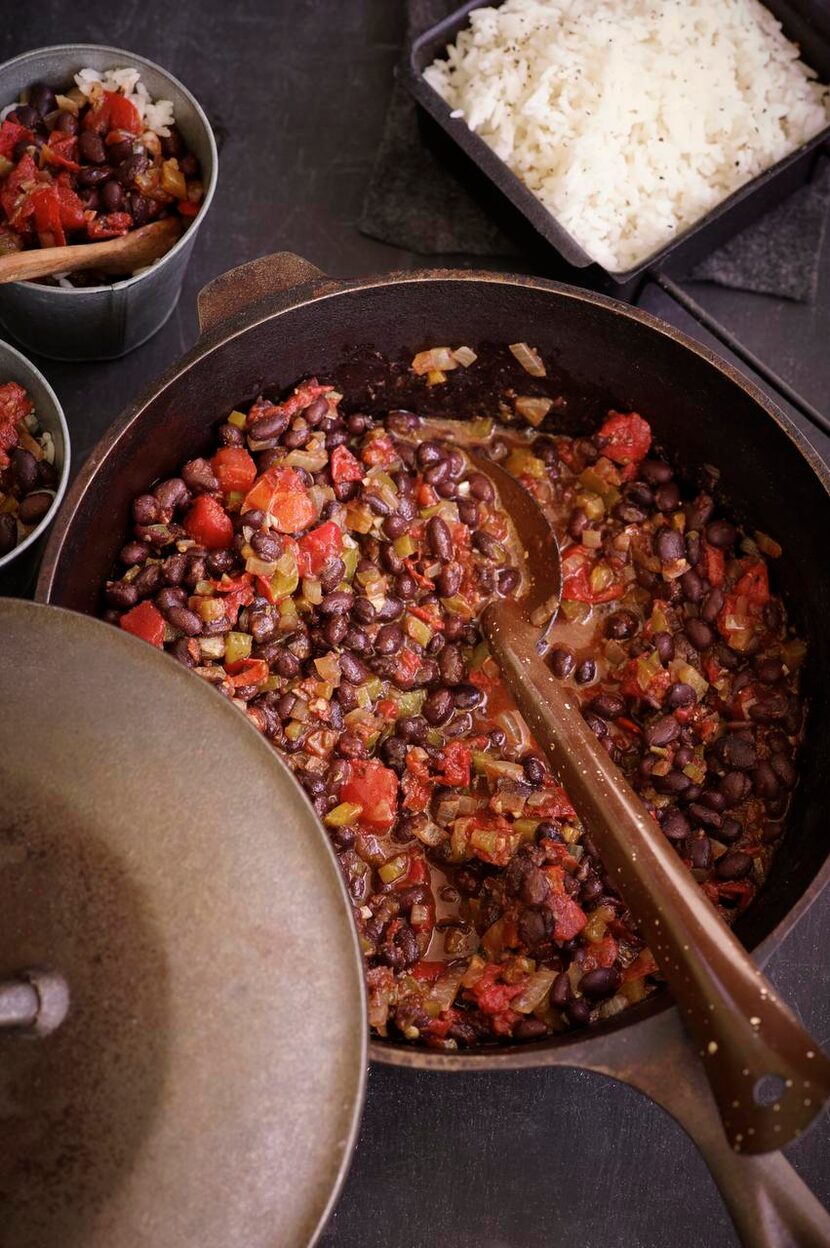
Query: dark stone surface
[523, 1160]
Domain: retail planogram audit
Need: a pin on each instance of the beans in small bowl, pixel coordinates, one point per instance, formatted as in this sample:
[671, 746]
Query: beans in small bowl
[325, 569]
[89, 162]
[33, 457]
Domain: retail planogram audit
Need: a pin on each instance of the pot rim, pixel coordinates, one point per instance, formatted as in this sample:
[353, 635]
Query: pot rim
[201, 116]
[26, 366]
[219, 338]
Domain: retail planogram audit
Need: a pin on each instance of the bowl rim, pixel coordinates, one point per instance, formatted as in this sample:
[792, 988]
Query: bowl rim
[60, 489]
[210, 187]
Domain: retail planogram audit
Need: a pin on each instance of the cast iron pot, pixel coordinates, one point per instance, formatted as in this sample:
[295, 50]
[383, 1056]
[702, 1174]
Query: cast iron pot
[276, 319]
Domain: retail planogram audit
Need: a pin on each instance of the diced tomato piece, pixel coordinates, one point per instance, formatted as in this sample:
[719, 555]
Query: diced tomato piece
[209, 524]
[47, 209]
[344, 466]
[644, 964]
[303, 396]
[375, 788]
[427, 972]
[625, 437]
[71, 208]
[115, 112]
[15, 405]
[407, 664]
[234, 468]
[317, 547]
[490, 996]
[236, 593]
[416, 793]
[577, 566]
[110, 225]
[281, 492]
[144, 621]
[714, 564]
[569, 918]
[247, 672]
[61, 150]
[754, 584]
[598, 953]
[187, 208]
[12, 133]
[455, 765]
[379, 449]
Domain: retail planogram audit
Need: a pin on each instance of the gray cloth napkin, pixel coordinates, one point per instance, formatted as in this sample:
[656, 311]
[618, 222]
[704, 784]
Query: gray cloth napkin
[416, 200]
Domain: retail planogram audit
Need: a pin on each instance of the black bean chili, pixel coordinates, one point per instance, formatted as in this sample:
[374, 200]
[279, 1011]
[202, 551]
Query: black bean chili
[326, 571]
[78, 169]
[27, 473]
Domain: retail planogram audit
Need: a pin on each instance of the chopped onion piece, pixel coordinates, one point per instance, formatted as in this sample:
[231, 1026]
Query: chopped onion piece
[534, 410]
[534, 991]
[464, 356]
[437, 359]
[529, 359]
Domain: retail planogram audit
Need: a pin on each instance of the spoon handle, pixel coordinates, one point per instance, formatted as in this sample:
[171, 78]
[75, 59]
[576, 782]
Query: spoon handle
[768, 1076]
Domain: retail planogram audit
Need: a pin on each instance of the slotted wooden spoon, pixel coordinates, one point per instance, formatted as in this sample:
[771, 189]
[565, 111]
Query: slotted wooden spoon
[115, 255]
[768, 1076]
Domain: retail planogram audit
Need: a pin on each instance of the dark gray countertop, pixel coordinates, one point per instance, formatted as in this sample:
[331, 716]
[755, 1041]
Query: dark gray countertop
[297, 92]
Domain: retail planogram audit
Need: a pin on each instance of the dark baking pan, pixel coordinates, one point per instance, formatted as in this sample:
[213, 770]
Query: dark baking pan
[278, 318]
[807, 22]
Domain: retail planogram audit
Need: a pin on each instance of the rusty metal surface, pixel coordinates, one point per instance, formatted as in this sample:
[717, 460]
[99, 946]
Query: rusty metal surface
[206, 1084]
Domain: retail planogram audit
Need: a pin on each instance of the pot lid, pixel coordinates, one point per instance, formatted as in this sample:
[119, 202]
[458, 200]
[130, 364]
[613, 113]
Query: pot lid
[205, 1085]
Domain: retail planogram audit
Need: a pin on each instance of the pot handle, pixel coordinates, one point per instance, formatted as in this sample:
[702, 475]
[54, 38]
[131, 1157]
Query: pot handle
[249, 284]
[769, 1204]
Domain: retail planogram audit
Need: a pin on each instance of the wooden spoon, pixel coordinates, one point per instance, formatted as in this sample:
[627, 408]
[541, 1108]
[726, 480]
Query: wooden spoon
[116, 255]
[769, 1078]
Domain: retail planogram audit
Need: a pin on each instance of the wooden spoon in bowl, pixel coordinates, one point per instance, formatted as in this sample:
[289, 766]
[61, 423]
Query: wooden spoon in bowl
[116, 255]
[769, 1078]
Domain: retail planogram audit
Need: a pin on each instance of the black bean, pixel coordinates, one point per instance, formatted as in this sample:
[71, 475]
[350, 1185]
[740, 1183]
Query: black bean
[676, 826]
[393, 752]
[121, 594]
[704, 815]
[664, 645]
[730, 830]
[628, 512]
[597, 725]
[395, 526]
[468, 512]
[602, 982]
[352, 668]
[390, 609]
[262, 626]
[489, 547]
[481, 487]
[337, 603]
[733, 865]
[112, 196]
[769, 671]
[440, 541]
[335, 630]
[219, 561]
[738, 751]
[692, 586]
[24, 469]
[34, 507]
[662, 731]
[528, 1029]
[692, 547]
[438, 706]
[449, 580]
[362, 611]
[47, 474]
[429, 453]
[655, 471]
[389, 639]
[765, 782]
[734, 788]
[170, 596]
[507, 580]
[607, 705]
[771, 706]
[145, 509]
[585, 672]
[287, 664]
[269, 546]
[42, 98]
[669, 545]
[784, 769]
[451, 665]
[413, 728]
[699, 634]
[712, 605]
[91, 147]
[135, 164]
[699, 850]
[229, 435]
[198, 476]
[621, 625]
[134, 552]
[667, 497]
[721, 533]
[181, 650]
[467, 696]
[149, 581]
[171, 493]
[560, 993]
[29, 117]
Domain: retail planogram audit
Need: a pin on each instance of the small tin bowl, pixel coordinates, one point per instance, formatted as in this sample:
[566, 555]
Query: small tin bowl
[104, 322]
[15, 367]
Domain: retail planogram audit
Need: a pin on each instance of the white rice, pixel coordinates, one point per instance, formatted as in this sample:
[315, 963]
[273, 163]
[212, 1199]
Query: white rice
[157, 115]
[631, 119]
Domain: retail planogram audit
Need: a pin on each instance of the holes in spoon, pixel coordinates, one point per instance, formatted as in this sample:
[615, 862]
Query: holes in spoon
[768, 1090]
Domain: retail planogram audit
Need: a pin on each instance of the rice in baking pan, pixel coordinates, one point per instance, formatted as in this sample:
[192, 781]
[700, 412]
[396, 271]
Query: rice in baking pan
[631, 119]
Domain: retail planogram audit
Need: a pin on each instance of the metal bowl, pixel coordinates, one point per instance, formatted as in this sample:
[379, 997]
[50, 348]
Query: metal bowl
[15, 367]
[105, 322]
